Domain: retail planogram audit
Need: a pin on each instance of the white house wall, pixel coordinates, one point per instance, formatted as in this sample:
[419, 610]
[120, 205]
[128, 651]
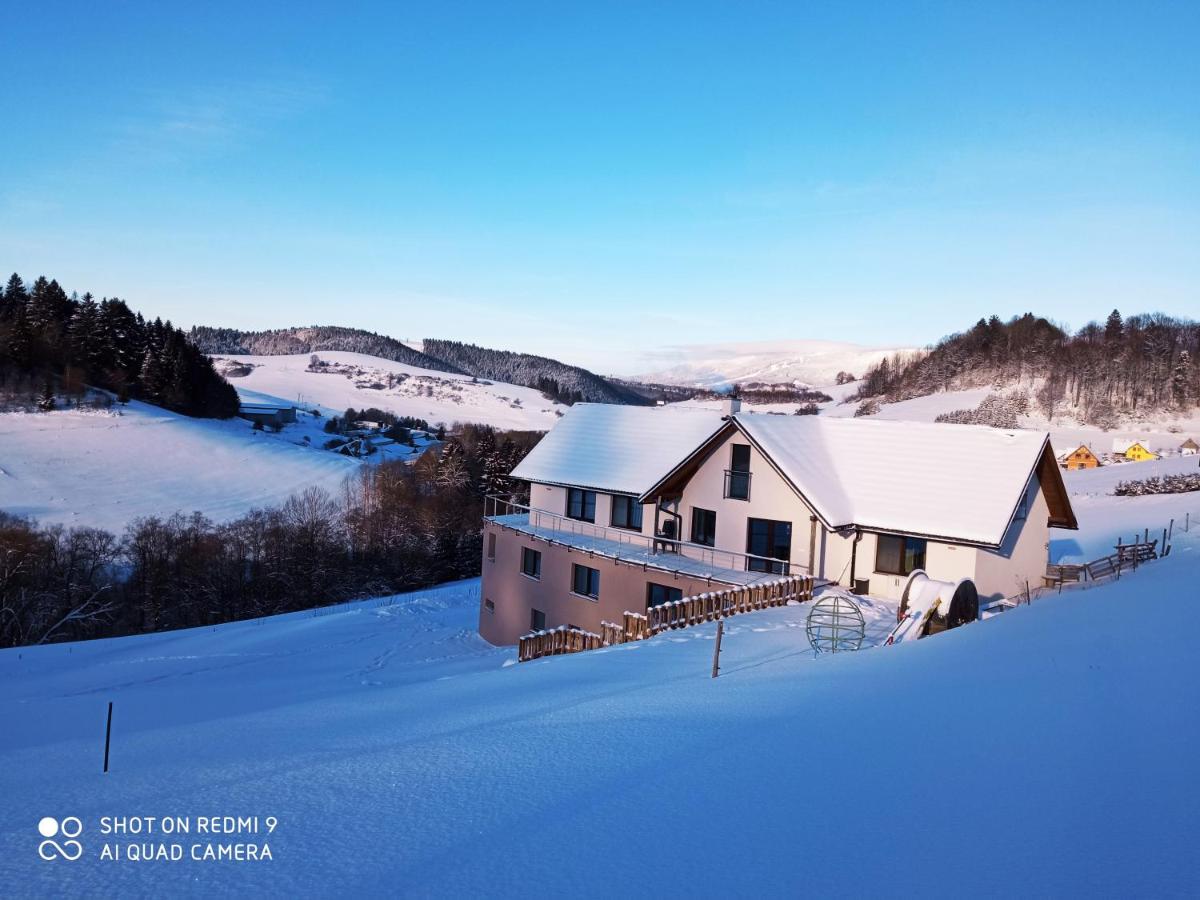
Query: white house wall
[770, 498]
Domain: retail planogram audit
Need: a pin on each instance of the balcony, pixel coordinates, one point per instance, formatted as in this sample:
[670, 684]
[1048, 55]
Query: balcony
[675, 556]
[737, 484]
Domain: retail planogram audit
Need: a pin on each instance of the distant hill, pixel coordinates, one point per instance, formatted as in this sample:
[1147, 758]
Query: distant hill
[557, 380]
[288, 341]
[1102, 374]
[567, 384]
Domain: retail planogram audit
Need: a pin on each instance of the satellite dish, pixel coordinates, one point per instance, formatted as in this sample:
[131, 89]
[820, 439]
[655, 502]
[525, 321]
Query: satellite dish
[835, 624]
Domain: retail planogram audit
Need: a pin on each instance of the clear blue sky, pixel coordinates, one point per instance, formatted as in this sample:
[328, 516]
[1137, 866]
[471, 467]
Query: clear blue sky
[598, 182]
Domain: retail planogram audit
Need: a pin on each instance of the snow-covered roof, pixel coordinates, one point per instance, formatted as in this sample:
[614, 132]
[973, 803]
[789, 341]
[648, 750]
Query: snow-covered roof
[624, 449]
[961, 482]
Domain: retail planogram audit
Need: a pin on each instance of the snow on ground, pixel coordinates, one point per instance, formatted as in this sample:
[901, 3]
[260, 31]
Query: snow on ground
[104, 469]
[1036, 753]
[358, 380]
[1103, 517]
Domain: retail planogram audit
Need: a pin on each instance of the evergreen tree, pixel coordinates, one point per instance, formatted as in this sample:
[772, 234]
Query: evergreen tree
[1114, 327]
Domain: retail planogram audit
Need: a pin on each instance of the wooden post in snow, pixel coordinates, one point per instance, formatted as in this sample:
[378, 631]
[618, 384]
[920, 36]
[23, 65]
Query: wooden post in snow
[107, 736]
[717, 647]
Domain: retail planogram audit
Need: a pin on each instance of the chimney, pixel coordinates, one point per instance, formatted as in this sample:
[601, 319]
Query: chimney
[730, 406]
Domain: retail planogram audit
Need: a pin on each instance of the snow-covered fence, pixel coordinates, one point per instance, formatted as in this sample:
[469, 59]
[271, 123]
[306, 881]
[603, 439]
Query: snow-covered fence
[556, 642]
[707, 607]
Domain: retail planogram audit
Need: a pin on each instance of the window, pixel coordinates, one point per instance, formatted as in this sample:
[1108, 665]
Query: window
[737, 476]
[766, 537]
[531, 563]
[899, 555]
[658, 594]
[537, 620]
[704, 527]
[489, 606]
[491, 546]
[626, 513]
[585, 581]
[581, 505]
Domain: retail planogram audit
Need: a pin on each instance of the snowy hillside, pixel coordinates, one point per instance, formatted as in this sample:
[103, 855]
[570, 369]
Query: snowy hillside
[774, 362]
[358, 380]
[104, 469]
[1022, 755]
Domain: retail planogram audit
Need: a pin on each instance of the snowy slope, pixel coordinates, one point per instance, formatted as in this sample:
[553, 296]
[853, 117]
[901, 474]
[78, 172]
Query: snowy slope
[359, 381]
[104, 469]
[773, 362]
[1033, 754]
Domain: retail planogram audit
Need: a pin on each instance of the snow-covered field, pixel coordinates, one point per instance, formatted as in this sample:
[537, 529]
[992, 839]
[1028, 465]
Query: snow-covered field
[1103, 518]
[1042, 752]
[104, 469]
[360, 381]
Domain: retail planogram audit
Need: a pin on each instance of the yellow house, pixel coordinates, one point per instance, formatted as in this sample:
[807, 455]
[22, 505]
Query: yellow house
[1134, 451]
[1081, 457]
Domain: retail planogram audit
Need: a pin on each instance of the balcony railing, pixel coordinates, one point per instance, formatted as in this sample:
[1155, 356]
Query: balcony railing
[737, 485]
[638, 544]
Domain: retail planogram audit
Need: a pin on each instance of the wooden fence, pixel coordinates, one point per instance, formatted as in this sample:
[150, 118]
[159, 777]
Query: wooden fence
[707, 607]
[555, 642]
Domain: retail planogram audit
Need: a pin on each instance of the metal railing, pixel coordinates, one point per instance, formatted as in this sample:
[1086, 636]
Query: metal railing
[495, 508]
[737, 484]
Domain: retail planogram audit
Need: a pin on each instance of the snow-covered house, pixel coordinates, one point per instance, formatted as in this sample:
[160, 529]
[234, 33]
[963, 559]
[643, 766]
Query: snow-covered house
[1081, 457]
[1134, 450]
[1189, 448]
[633, 506]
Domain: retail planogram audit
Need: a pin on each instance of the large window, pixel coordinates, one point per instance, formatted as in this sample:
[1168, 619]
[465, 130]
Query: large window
[531, 563]
[766, 537]
[585, 581]
[737, 476]
[581, 505]
[704, 527]
[626, 513]
[658, 594]
[899, 555]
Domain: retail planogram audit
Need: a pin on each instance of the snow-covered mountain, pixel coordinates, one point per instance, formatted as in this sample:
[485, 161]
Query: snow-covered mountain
[809, 362]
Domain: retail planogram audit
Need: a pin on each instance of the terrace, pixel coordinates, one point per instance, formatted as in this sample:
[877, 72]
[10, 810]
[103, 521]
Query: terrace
[635, 548]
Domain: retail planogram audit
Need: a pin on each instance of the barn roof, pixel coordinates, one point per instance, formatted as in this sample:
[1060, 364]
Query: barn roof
[622, 449]
[956, 482]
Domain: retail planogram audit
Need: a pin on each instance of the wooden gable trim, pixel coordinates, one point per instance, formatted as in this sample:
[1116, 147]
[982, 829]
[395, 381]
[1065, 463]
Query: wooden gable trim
[673, 482]
[1057, 499]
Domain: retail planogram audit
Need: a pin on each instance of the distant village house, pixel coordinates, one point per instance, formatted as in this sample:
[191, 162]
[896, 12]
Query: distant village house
[1137, 450]
[267, 414]
[1081, 457]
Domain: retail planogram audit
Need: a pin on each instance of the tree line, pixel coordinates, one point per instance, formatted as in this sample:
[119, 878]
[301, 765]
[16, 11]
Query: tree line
[393, 527]
[60, 344]
[1124, 366]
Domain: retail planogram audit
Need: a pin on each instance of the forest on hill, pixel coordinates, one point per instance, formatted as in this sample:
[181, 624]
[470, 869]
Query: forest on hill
[559, 381]
[289, 341]
[54, 345]
[1123, 367]
[394, 527]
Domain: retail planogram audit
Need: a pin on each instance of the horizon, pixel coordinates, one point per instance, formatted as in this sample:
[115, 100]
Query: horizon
[602, 186]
